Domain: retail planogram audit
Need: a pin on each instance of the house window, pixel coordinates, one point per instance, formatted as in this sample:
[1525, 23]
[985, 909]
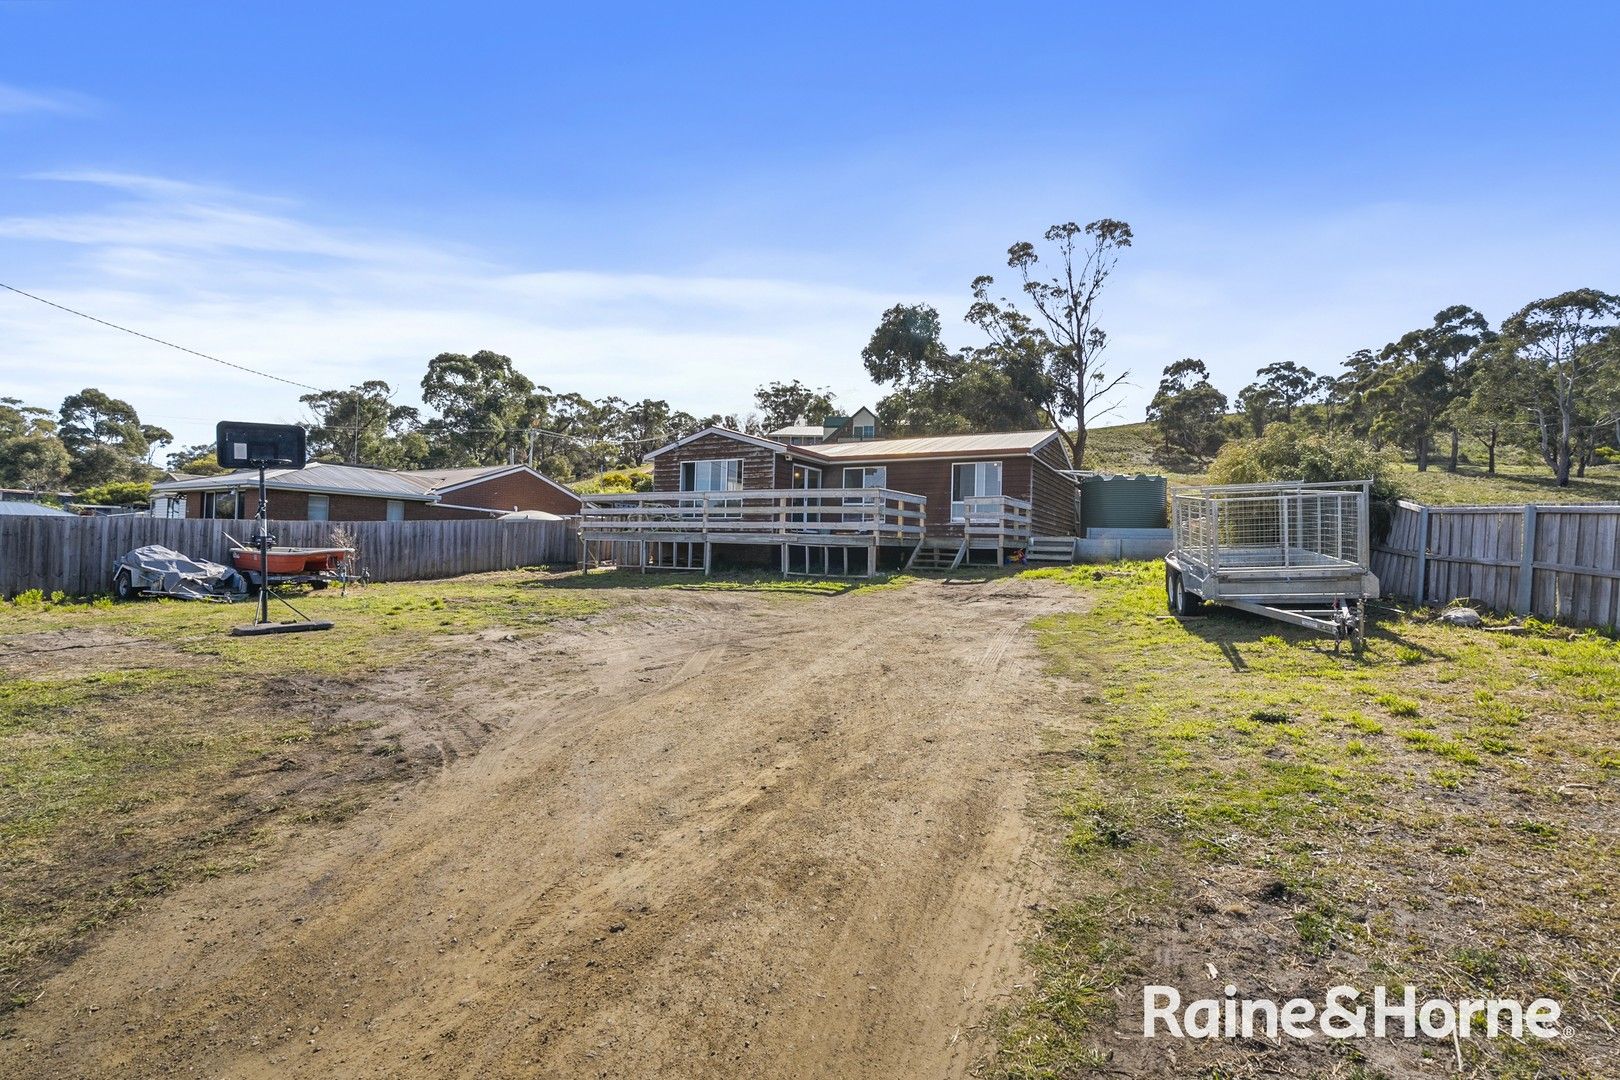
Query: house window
[716, 475]
[865, 431]
[805, 478]
[222, 504]
[973, 479]
[320, 508]
[859, 476]
[396, 510]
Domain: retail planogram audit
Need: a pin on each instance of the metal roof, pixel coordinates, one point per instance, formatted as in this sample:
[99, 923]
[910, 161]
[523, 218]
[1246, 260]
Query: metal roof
[932, 445]
[316, 476]
[23, 508]
[434, 479]
[800, 431]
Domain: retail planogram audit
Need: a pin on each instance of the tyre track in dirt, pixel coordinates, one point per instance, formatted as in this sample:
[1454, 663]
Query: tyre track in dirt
[741, 835]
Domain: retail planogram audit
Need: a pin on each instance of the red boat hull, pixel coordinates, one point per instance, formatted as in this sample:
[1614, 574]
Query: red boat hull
[291, 560]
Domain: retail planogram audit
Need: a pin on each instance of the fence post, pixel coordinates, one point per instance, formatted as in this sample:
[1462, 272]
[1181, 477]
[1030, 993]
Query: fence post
[1527, 562]
[1423, 557]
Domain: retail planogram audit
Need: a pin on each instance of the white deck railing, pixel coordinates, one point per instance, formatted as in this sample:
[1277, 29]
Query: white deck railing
[998, 519]
[787, 514]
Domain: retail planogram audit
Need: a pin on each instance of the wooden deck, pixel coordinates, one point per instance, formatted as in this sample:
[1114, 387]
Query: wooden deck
[667, 529]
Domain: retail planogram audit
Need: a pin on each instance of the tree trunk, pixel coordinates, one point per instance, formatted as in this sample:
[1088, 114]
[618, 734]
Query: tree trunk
[1490, 450]
[1076, 443]
[1566, 442]
[1456, 441]
[1423, 453]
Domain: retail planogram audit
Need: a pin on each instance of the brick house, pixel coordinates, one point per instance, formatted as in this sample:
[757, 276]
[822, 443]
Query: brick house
[324, 492]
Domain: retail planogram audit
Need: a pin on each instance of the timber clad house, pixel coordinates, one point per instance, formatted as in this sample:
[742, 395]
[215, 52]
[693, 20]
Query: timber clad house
[846, 503]
[323, 492]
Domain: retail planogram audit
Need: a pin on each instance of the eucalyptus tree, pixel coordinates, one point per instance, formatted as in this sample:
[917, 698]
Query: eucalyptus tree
[363, 426]
[1562, 353]
[938, 391]
[106, 439]
[1060, 337]
[1188, 410]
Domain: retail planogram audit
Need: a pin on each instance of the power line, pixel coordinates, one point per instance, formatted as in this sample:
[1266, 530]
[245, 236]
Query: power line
[294, 382]
[158, 340]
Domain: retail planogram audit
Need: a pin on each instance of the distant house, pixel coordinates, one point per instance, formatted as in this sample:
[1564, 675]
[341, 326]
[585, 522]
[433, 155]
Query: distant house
[861, 425]
[170, 504]
[323, 492]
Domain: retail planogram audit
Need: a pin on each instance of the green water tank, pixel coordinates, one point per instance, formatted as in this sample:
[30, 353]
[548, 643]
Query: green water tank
[1122, 502]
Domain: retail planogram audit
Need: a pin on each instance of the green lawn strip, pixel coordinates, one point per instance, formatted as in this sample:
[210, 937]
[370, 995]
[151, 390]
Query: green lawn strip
[1229, 746]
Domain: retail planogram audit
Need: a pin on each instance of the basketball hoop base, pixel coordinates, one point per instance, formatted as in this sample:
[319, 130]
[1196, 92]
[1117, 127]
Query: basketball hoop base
[255, 629]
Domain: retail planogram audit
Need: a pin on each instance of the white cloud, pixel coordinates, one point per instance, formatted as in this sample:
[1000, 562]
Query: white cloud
[15, 101]
[253, 281]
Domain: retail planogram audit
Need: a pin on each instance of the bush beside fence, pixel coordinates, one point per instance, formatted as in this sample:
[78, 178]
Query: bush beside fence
[75, 555]
[1567, 572]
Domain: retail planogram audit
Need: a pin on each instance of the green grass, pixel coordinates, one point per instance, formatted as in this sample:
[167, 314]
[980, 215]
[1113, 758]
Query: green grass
[1211, 757]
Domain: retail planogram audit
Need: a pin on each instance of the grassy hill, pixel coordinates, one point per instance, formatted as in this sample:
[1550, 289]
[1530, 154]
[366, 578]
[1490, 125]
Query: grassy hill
[1519, 484]
[1129, 448]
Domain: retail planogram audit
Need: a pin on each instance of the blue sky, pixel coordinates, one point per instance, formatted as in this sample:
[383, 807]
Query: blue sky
[652, 201]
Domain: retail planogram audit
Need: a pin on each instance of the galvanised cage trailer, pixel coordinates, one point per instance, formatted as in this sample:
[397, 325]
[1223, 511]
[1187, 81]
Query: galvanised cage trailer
[1291, 551]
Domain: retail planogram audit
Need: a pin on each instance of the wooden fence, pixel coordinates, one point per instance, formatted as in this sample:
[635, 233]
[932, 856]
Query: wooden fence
[75, 555]
[1560, 563]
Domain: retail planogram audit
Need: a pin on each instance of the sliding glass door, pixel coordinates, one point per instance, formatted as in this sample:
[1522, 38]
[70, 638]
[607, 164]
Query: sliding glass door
[973, 479]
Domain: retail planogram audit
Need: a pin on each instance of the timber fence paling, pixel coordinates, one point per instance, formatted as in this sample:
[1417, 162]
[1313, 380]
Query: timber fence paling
[75, 555]
[1556, 562]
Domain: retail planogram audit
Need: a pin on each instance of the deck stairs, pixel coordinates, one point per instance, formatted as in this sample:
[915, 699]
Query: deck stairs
[1050, 550]
[937, 555]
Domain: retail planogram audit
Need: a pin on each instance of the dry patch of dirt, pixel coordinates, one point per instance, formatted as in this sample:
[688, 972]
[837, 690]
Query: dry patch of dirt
[753, 835]
[33, 656]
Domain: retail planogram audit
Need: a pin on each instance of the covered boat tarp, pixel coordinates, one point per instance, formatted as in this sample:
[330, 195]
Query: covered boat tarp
[165, 571]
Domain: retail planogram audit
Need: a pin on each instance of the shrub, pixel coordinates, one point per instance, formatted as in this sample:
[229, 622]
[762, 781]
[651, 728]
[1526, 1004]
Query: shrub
[617, 482]
[1291, 452]
[118, 493]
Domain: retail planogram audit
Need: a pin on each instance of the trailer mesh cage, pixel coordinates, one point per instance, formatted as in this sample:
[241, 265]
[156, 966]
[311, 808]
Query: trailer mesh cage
[1269, 527]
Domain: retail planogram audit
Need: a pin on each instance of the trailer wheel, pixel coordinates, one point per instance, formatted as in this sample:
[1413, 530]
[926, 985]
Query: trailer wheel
[1171, 577]
[123, 585]
[1186, 603]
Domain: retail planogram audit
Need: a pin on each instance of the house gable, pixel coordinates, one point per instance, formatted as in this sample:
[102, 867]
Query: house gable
[758, 457]
[515, 487]
[753, 440]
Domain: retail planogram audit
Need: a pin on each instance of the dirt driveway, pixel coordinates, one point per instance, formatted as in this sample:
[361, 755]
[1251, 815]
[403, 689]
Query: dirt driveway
[729, 834]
